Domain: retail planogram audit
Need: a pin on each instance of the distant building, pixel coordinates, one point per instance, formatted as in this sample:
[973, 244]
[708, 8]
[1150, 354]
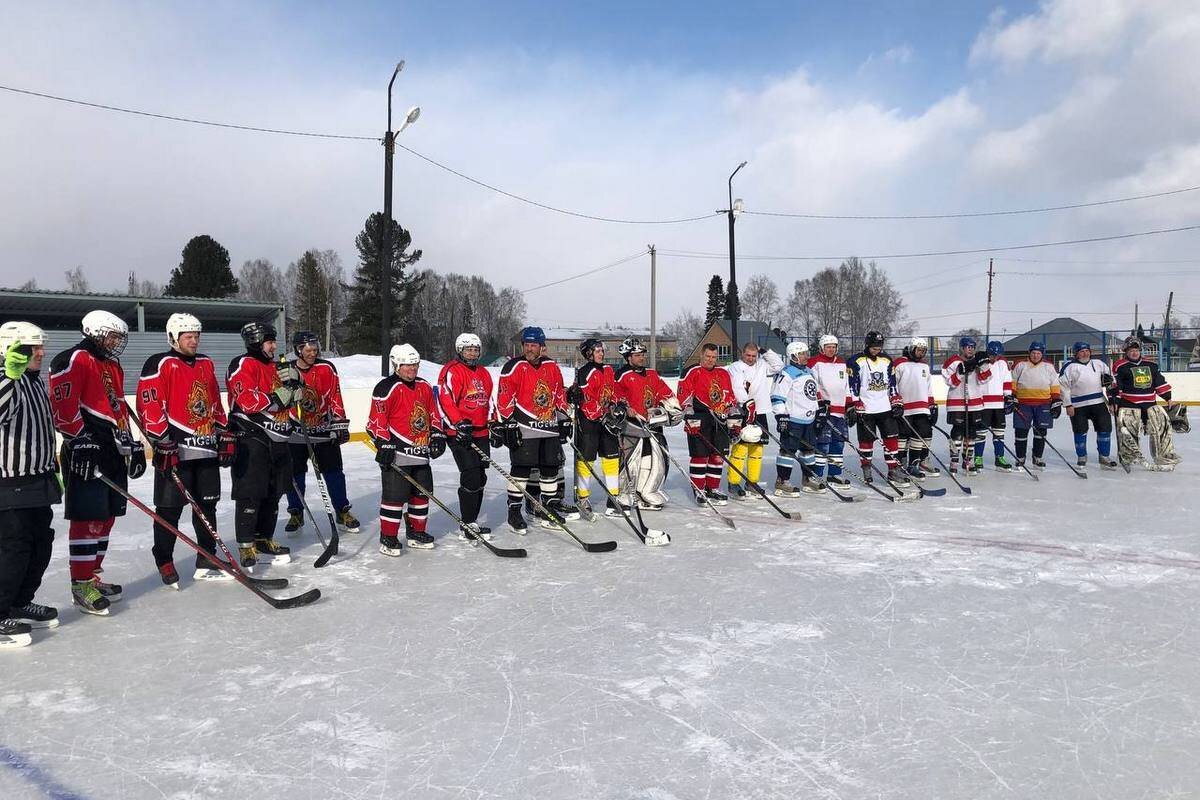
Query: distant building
[59, 314]
[720, 333]
[1059, 336]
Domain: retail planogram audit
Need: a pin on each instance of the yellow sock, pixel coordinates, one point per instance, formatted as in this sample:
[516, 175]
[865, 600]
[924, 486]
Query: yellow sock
[611, 468]
[754, 462]
[583, 470]
[737, 455]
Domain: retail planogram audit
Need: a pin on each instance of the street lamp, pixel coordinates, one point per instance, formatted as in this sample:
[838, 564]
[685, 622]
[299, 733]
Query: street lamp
[385, 240]
[734, 210]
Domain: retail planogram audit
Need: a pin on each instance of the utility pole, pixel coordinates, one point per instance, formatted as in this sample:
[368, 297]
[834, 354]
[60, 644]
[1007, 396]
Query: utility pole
[653, 326]
[385, 239]
[1167, 316]
[733, 211]
[987, 328]
[1164, 350]
[329, 323]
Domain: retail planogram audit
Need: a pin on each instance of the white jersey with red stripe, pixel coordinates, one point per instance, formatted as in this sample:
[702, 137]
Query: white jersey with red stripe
[998, 384]
[954, 385]
[914, 385]
[833, 382]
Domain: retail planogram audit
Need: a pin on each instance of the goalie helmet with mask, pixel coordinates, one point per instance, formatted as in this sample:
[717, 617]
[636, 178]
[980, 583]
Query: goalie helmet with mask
[107, 332]
[631, 345]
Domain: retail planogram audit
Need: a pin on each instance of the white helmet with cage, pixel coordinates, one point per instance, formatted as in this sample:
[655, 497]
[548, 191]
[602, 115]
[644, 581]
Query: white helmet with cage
[180, 323]
[919, 342]
[827, 339]
[797, 351]
[20, 333]
[107, 331]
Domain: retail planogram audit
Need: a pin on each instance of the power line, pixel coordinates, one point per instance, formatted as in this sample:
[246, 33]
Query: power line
[1113, 261]
[584, 274]
[1089, 274]
[903, 281]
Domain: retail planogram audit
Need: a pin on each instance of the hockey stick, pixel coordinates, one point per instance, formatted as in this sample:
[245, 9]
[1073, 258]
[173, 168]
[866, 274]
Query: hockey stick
[792, 515]
[845, 498]
[278, 602]
[472, 535]
[591, 547]
[1046, 439]
[332, 548]
[900, 493]
[667, 454]
[929, 449]
[639, 528]
[266, 583]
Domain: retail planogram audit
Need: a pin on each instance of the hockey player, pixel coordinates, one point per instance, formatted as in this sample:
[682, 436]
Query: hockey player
[998, 402]
[1039, 403]
[1139, 384]
[831, 429]
[599, 419]
[320, 414]
[86, 384]
[877, 407]
[531, 405]
[965, 375]
[709, 406]
[794, 403]
[651, 406]
[407, 429]
[261, 392]
[751, 377]
[28, 487]
[1084, 380]
[465, 396]
[915, 388]
[179, 406]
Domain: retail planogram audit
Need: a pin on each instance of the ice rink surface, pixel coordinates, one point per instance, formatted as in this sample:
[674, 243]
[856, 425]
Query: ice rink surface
[1034, 640]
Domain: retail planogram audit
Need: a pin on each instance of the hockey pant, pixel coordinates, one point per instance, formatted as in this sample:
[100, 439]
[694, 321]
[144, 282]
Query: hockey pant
[329, 456]
[990, 419]
[747, 457]
[705, 464]
[1101, 420]
[644, 465]
[592, 439]
[202, 479]
[878, 426]
[1037, 417]
[26, 540]
[397, 493]
[964, 428]
[541, 453]
[795, 446]
[827, 438]
[1152, 420]
[472, 475]
[92, 509]
[261, 472]
[915, 445]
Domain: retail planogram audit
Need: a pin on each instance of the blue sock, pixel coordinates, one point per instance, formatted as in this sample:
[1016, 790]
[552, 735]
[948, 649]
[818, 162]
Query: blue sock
[979, 445]
[1104, 443]
[1081, 444]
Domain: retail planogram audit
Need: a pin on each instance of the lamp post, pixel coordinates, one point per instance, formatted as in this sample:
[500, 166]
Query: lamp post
[385, 239]
[735, 208]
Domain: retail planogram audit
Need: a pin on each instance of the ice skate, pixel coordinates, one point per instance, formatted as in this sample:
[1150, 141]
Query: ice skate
[1040, 463]
[737, 491]
[111, 591]
[169, 576]
[248, 556]
[205, 571]
[473, 532]
[1002, 464]
[562, 509]
[348, 521]
[813, 486]
[716, 498]
[419, 540]
[785, 489]
[295, 523]
[36, 615]
[1107, 463]
[87, 598]
[272, 552]
[14, 633]
[898, 476]
[390, 545]
[840, 481]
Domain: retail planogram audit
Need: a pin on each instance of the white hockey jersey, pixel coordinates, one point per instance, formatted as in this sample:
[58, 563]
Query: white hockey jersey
[752, 383]
[872, 383]
[795, 395]
[954, 385]
[913, 385]
[1081, 383]
[998, 384]
[833, 383]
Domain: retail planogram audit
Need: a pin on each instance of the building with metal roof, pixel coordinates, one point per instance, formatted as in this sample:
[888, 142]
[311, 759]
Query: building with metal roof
[59, 315]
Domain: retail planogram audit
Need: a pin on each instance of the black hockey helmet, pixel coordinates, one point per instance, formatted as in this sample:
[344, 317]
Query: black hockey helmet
[631, 345]
[302, 339]
[255, 333]
[589, 345]
[874, 339]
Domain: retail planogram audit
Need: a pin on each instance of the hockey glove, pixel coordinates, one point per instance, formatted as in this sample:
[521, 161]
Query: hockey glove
[83, 457]
[982, 360]
[166, 455]
[284, 397]
[463, 429]
[933, 413]
[564, 430]
[385, 452]
[575, 394]
[1010, 404]
[437, 444]
[137, 461]
[897, 410]
[822, 411]
[851, 417]
[16, 360]
[781, 424]
[226, 448]
[340, 429]
[1106, 380]
[691, 426]
[1055, 408]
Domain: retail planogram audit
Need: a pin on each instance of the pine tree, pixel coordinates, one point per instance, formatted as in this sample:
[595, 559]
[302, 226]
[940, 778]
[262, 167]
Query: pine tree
[733, 306]
[468, 316]
[310, 298]
[364, 313]
[715, 309]
[203, 271]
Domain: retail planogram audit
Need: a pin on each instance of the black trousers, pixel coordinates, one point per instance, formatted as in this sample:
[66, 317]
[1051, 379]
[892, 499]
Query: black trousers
[26, 540]
[202, 478]
[261, 473]
[1097, 414]
[472, 475]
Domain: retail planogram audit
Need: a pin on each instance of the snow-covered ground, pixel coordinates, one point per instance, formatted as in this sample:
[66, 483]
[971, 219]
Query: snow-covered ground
[1034, 640]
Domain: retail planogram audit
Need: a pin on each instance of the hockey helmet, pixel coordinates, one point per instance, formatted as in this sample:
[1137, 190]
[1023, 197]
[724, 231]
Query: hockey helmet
[20, 333]
[1130, 343]
[995, 348]
[107, 331]
[631, 345]
[180, 323]
[966, 341]
[1037, 347]
[402, 354]
[255, 333]
[1080, 346]
[302, 339]
[533, 335]
[919, 341]
[797, 348]
[752, 433]
[588, 346]
[874, 339]
[466, 340]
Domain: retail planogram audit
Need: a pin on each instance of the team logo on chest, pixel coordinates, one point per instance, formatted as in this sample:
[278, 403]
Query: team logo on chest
[418, 424]
[110, 392]
[810, 390]
[647, 396]
[716, 397]
[309, 402]
[543, 399]
[476, 397]
[1142, 378]
[199, 413]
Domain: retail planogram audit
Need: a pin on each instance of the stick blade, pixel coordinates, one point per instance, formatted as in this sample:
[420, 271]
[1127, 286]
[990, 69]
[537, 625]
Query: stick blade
[330, 552]
[311, 596]
[268, 583]
[507, 552]
[934, 492]
[599, 547]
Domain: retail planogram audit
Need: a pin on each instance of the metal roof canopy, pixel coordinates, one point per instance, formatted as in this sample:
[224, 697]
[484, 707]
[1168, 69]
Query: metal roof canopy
[51, 309]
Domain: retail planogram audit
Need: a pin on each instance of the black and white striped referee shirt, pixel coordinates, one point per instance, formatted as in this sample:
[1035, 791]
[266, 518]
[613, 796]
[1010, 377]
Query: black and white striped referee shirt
[26, 426]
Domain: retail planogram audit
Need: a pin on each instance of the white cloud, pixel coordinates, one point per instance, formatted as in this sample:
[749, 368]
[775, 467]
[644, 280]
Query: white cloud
[1058, 31]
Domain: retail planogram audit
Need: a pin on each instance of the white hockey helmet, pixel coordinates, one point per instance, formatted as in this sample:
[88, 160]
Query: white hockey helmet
[179, 323]
[402, 354]
[101, 326]
[827, 339]
[919, 341]
[794, 349]
[752, 434]
[20, 333]
[466, 340]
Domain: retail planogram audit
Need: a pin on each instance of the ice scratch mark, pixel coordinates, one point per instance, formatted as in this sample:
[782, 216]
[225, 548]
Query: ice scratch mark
[980, 759]
[36, 775]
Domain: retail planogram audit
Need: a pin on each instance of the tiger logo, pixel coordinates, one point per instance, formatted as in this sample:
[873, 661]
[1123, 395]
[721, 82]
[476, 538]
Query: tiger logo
[418, 424]
[199, 412]
[543, 400]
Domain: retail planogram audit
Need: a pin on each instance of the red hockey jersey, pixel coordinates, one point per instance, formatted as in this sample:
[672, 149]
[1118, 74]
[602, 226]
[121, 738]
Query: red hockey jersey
[710, 389]
[598, 383]
[320, 401]
[178, 399]
[407, 413]
[465, 392]
[641, 389]
[250, 381]
[86, 394]
[532, 395]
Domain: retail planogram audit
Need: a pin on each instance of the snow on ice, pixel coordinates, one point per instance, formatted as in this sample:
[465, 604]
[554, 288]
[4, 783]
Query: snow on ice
[1035, 640]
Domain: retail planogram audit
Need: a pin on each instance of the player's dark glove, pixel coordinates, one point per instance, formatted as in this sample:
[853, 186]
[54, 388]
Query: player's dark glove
[933, 413]
[1106, 380]
[166, 455]
[340, 429]
[822, 411]
[691, 425]
[463, 429]
[226, 448]
[437, 444]
[851, 417]
[781, 423]
[575, 394]
[897, 410]
[137, 461]
[385, 452]
[1010, 404]
[83, 457]
[564, 430]
[1055, 409]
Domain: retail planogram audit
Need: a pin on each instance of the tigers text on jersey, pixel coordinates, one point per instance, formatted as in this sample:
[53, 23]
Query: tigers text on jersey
[710, 389]
[1139, 383]
[913, 384]
[599, 385]
[1035, 384]
[250, 381]
[872, 382]
[532, 395]
[954, 384]
[833, 382]
[407, 413]
[641, 388]
[178, 399]
[1081, 382]
[997, 385]
[465, 392]
[795, 394]
[85, 394]
[320, 399]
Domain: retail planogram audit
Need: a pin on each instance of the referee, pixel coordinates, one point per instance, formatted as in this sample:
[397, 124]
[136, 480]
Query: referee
[28, 485]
